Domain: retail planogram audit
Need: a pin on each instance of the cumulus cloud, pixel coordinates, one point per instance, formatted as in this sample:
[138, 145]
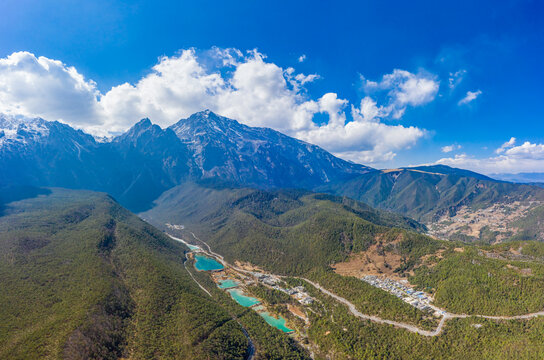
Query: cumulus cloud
[403, 89]
[526, 151]
[301, 58]
[364, 140]
[177, 86]
[450, 148]
[243, 86]
[510, 143]
[528, 157]
[470, 96]
[38, 86]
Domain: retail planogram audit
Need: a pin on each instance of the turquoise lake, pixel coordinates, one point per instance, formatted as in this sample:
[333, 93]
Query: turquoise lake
[193, 247]
[240, 298]
[204, 263]
[226, 284]
[277, 323]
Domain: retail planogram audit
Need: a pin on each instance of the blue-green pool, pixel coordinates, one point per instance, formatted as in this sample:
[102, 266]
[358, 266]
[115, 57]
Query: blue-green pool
[226, 284]
[277, 323]
[240, 298]
[204, 263]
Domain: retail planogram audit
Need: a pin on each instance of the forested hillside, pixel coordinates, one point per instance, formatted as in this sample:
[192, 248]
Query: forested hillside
[454, 203]
[83, 278]
[301, 229]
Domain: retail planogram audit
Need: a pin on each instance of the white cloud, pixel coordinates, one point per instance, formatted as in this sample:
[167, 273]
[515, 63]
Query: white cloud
[177, 86]
[456, 78]
[403, 89]
[510, 143]
[258, 94]
[528, 157]
[299, 80]
[470, 96]
[526, 151]
[38, 86]
[369, 110]
[450, 148]
[364, 139]
[302, 58]
[241, 86]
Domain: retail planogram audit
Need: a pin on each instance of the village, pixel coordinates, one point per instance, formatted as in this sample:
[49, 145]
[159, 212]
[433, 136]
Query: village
[498, 217]
[400, 289]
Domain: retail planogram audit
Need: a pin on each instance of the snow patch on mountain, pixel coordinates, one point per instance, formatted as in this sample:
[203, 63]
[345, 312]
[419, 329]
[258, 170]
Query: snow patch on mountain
[17, 129]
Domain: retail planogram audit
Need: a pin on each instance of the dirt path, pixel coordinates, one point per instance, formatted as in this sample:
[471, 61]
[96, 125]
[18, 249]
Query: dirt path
[445, 317]
[192, 277]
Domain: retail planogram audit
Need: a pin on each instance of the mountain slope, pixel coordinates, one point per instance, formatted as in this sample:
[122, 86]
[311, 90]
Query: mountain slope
[137, 166]
[302, 230]
[294, 232]
[260, 157]
[35, 151]
[440, 194]
[82, 278]
[144, 162]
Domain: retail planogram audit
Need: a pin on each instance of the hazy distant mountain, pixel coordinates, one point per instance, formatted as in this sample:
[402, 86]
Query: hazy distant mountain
[137, 166]
[535, 177]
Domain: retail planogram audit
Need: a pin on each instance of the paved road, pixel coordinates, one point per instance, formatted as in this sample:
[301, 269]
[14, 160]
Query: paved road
[515, 317]
[447, 315]
[377, 319]
[413, 328]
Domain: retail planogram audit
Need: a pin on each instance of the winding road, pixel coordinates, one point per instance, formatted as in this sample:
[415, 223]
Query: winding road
[377, 319]
[445, 317]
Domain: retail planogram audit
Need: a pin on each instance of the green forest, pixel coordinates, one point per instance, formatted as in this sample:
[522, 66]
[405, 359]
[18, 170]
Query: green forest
[83, 278]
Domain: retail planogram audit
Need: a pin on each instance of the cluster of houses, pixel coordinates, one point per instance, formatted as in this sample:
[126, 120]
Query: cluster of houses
[174, 226]
[298, 292]
[417, 299]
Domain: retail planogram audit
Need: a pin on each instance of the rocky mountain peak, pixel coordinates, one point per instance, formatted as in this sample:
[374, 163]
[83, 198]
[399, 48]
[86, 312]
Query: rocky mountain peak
[150, 159]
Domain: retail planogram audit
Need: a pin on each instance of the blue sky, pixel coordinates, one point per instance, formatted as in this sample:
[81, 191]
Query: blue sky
[490, 51]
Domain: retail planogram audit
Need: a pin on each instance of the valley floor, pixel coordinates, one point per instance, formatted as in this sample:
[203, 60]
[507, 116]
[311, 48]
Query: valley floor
[445, 315]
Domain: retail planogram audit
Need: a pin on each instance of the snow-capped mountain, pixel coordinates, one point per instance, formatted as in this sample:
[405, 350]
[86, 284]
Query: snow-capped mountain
[36, 151]
[20, 133]
[18, 130]
[137, 166]
[262, 157]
